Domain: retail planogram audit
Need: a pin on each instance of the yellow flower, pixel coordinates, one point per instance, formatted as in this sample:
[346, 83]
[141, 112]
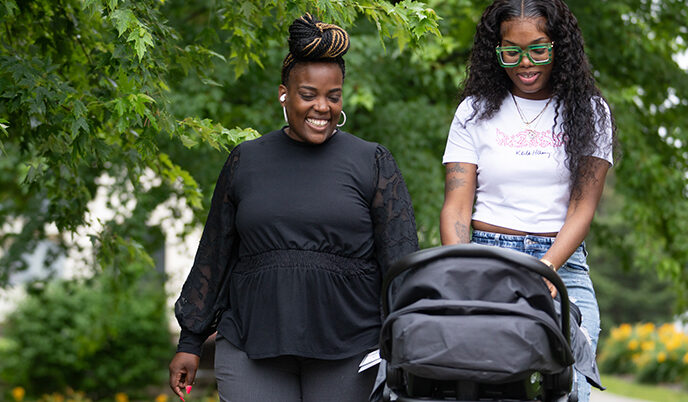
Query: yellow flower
[18, 393]
[621, 333]
[616, 334]
[633, 344]
[54, 397]
[121, 397]
[646, 329]
[161, 398]
[669, 328]
[673, 343]
[647, 346]
[685, 358]
[641, 360]
[667, 331]
[661, 357]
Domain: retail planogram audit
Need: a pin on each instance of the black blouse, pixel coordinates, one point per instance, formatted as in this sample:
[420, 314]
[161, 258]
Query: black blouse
[293, 252]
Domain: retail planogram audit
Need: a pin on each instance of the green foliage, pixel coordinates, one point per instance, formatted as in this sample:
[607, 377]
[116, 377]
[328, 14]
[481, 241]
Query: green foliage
[111, 91]
[103, 335]
[652, 354]
[87, 89]
[405, 100]
[639, 233]
[649, 96]
[624, 294]
[127, 87]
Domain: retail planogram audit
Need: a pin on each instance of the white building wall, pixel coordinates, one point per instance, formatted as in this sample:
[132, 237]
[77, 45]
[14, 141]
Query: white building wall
[178, 252]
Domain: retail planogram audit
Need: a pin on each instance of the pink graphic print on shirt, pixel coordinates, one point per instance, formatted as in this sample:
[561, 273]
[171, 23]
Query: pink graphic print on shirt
[531, 139]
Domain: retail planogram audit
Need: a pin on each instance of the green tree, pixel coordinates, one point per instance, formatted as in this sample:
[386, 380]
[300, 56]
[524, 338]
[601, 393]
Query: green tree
[87, 89]
[649, 95]
[640, 228]
[93, 91]
[119, 86]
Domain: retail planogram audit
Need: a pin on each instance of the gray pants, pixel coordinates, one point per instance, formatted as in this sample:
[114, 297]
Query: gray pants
[288, 378]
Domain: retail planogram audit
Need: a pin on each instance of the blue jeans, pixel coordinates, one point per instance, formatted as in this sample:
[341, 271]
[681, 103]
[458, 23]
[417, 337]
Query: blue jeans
[574, 274]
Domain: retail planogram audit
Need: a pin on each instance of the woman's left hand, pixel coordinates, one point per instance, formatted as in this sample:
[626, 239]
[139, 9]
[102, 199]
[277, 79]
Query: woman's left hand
[550, 286]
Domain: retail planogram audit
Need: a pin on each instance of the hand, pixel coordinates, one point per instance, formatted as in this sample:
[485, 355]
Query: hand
[183, 369]
[550, 286]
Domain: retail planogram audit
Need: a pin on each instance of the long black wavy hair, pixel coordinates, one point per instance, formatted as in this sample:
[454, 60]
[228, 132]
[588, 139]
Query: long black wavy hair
[580, 105]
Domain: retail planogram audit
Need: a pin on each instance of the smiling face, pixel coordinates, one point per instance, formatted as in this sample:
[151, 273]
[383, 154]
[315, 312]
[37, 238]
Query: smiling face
[313, 101]
[530, 81]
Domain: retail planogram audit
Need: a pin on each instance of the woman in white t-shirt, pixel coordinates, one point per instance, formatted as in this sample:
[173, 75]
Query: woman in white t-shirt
[530, 146]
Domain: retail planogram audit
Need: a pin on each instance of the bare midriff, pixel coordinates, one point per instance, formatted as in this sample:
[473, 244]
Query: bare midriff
[486, 227]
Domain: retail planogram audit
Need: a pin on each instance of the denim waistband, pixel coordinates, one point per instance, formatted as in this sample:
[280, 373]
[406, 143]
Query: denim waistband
[518, 242]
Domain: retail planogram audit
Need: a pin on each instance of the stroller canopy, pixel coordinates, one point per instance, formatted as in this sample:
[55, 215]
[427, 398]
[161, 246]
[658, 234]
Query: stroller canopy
[476, 313]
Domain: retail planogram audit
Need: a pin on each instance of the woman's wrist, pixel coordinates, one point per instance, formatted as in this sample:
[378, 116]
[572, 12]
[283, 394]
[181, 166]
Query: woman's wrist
[549, 264]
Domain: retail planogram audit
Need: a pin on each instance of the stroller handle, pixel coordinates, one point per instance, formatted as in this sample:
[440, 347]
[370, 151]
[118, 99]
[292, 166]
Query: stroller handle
[411, 261]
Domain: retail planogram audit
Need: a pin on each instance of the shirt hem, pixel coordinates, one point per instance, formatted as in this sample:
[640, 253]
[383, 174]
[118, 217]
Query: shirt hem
[355, 351]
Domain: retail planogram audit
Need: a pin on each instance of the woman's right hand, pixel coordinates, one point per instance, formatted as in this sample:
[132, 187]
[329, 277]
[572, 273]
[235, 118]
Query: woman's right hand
[183, 369]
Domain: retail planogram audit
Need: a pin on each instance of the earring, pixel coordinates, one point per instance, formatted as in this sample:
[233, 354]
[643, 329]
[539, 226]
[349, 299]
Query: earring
[344, 122]
[284, 110]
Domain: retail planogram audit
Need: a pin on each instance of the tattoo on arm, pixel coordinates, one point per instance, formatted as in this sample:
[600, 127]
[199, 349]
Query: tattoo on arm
[454, 182]
[462, 232]
[455, 168]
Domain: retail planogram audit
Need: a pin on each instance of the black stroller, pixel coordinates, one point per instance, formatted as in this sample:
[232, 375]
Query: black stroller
[476, 323]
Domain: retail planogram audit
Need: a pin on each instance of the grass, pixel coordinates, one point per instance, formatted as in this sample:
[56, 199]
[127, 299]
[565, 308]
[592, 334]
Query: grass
[621, 386]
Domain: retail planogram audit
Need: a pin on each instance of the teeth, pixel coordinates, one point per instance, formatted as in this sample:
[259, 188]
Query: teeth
[316, 122]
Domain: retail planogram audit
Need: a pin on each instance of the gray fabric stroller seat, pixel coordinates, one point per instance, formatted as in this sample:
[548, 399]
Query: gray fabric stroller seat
[476, 323]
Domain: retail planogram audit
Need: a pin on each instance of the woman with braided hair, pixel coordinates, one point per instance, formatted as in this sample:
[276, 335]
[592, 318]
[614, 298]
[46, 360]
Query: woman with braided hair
[303, 223]
[530, 145]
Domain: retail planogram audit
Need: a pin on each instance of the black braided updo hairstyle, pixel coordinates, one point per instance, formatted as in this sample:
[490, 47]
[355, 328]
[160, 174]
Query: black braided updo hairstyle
[314, 40]
[572, 81]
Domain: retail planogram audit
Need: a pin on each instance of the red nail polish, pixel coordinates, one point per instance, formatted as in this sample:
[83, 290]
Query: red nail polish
[182, 398]
[188, 389]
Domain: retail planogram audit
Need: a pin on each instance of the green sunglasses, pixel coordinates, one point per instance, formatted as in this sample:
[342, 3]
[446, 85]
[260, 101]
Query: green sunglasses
[511, 56]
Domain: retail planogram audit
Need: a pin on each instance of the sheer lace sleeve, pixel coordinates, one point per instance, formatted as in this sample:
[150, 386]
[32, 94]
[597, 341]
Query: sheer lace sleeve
[204, 294]
[392, 212]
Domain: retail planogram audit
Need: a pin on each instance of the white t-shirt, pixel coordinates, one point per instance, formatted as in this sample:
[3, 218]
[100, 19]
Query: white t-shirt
[522, 181]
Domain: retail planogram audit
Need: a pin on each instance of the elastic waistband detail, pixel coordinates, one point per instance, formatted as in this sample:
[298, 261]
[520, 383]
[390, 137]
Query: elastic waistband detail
[303, 259]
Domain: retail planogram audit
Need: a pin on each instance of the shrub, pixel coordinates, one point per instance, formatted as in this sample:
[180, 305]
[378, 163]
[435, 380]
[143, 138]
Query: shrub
[651, 354]
[103, 335]
[617, 351]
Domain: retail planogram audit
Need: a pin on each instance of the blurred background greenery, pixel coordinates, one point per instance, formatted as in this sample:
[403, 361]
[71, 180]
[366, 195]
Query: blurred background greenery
[163, 89]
